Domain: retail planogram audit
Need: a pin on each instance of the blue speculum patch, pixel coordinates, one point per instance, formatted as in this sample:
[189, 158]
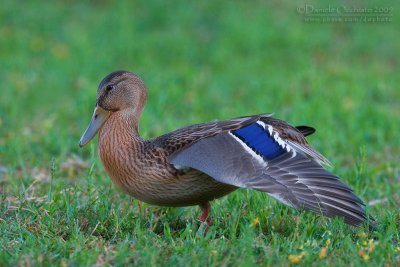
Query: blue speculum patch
[259, 140]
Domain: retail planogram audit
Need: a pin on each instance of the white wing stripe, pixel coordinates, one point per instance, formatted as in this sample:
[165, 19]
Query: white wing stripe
[250, 151]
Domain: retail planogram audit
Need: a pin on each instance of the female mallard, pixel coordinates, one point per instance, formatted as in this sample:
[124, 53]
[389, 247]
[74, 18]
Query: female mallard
[202, 162]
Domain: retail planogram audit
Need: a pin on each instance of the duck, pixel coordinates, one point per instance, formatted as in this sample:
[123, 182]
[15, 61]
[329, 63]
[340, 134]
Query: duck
[197, 164]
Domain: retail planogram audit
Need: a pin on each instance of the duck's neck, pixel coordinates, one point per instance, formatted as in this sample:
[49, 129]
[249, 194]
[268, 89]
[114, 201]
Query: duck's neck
[120, 125]
[119, 137]
[120, 145]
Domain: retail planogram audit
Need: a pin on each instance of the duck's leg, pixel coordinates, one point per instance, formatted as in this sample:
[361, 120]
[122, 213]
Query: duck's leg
[204, 219]
[205, 210]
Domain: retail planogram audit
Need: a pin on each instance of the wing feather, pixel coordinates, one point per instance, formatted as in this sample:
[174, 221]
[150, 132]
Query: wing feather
[295, 177]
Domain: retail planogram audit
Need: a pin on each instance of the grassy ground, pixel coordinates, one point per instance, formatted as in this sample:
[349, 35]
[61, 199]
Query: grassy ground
[201, 61]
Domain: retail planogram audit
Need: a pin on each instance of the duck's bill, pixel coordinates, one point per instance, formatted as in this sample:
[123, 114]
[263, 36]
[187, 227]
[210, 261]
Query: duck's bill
[99, 117]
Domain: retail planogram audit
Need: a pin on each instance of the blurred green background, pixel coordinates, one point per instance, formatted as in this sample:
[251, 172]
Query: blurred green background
[201, 60]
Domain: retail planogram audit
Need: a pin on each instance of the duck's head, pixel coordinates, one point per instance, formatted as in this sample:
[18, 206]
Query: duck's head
[119, 91]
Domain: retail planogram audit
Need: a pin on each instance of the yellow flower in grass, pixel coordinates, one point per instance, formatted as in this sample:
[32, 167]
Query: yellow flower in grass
[327, 242]
[366, 257]
[256, 221]
[322, 253]
[371, 245]
[296, 258]
[363, 255]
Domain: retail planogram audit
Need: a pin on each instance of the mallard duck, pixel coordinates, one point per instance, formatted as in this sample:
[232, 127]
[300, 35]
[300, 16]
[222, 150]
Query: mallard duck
[200, 163]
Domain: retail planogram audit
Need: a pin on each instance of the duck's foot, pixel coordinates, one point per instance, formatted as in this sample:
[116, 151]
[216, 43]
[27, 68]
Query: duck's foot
[204, 219]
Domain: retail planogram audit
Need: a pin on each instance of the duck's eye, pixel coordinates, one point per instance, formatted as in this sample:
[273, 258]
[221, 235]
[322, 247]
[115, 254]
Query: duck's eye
[109, 87]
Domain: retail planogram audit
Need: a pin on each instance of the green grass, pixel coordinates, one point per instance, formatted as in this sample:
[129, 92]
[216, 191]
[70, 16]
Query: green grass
[201, 61]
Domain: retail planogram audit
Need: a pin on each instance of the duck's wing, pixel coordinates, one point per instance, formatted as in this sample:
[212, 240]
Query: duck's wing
[268, 155]
[184, 137]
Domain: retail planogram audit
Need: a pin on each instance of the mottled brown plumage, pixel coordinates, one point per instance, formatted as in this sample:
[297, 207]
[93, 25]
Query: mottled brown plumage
[150, 170]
